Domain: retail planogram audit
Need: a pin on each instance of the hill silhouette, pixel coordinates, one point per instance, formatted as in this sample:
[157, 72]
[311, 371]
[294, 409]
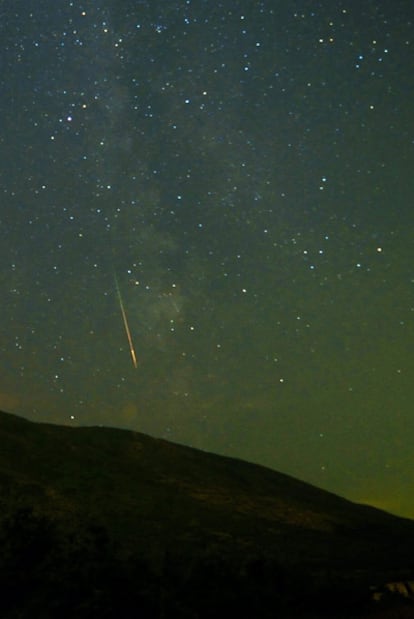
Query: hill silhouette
[96, 519]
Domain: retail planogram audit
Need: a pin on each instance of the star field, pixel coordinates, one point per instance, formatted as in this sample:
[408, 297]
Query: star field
[244, 171]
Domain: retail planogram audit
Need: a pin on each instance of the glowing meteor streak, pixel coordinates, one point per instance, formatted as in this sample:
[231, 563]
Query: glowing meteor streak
[126, 325]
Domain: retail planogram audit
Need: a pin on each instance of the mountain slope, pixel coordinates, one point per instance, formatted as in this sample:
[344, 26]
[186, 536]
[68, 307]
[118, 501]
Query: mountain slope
[158, 499]
[120, 476]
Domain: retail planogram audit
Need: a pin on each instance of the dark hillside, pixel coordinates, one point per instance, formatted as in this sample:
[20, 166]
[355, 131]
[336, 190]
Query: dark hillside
[189, 514]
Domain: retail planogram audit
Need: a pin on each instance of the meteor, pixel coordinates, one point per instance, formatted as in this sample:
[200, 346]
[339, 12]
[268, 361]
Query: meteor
[126, 325]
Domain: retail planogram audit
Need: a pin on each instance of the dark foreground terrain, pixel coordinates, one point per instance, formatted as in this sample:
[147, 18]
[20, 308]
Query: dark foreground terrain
[99, 522]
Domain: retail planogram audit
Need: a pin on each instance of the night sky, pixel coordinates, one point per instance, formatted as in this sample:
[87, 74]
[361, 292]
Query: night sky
[225, 190]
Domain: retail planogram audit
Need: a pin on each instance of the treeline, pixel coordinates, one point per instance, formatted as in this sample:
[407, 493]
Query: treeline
[53, 568]
[60, 568]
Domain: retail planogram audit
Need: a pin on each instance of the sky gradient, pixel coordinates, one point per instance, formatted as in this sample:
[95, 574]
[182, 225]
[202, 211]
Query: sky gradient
[223, 190]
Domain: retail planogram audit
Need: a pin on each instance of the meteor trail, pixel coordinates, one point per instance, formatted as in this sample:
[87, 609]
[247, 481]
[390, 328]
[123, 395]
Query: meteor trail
[126, 325]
